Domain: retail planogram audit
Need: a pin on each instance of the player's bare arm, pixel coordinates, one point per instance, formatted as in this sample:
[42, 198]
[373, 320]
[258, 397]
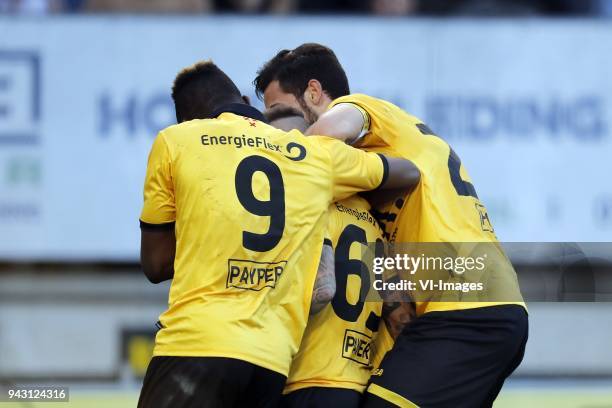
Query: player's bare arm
[343, 121]
[325, 283]
[397, 315]
[398, 308]
[403, 175]
[157, 250]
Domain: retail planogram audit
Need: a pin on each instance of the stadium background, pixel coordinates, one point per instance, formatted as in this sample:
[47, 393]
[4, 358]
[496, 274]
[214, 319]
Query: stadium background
[520, 89]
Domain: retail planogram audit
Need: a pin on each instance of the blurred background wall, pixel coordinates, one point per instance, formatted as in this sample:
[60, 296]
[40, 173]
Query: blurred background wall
[377, 7]
[85, 87]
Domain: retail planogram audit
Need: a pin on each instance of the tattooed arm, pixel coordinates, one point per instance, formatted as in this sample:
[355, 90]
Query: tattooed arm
[397, 315]
[325, 283]
[398, 309]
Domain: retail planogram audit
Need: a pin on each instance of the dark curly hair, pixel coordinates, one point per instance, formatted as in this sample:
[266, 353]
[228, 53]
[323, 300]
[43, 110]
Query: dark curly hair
[294, 68]
[200, 89]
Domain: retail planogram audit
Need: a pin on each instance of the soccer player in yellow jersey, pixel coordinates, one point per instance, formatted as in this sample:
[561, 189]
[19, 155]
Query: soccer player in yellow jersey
[455, 353]
[333, 364]
[235, 213]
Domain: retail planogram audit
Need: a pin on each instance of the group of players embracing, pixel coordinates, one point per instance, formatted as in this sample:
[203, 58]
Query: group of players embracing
[260, 221]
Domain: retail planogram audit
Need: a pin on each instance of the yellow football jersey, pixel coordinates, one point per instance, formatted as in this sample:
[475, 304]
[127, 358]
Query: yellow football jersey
[444, 207]
[248, 203]
[336, 349]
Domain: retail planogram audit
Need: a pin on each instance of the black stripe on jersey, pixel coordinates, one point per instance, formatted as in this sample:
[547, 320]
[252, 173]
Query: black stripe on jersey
[385, 171]
[328, 241]
[425, 129]
[166, 226]
[241, 109]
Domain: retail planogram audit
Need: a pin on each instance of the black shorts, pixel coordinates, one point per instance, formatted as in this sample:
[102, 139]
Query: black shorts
[215, 382]
[455, 359]
[321, 397]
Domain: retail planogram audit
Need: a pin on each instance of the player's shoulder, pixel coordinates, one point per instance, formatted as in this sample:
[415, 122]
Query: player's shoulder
[350, 211]
[332, 150]
[355, 202]
[363, 101]
[227, 122]
[356, 98]
[357, 210]
[314, 151]
[177, 130]
[321, 145]
[354, 208]
[372, 105]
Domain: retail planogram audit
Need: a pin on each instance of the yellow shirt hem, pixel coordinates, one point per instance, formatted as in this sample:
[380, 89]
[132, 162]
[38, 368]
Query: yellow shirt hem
[425, 307]
[300, 385]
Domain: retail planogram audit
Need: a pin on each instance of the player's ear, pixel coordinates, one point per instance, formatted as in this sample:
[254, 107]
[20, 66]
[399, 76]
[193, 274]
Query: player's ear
[246, 99]
[314, 92]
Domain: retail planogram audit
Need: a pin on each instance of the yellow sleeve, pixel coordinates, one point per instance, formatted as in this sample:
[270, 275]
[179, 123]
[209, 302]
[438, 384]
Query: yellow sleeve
[353, 170]
[159, 208]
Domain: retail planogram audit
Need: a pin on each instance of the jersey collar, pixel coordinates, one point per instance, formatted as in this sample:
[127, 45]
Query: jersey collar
[241, 109]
